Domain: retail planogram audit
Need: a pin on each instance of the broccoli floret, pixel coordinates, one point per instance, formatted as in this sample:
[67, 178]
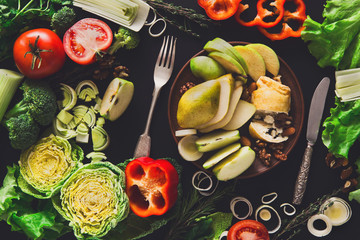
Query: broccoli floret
[38, 100]
[62, 20]
[124, 38]
[23, 131]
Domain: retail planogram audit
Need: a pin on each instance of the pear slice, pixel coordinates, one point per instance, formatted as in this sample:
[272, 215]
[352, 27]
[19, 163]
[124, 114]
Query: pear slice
[243, 112]
[206, 68]
[187, 148]
[220, 155]
[235, 164]
[271, 60]
[226, 88]
[228, 63]
[199, 104]
[254, 61]
[215, 140]
[116, 99]
[185, 132]
[235, 97]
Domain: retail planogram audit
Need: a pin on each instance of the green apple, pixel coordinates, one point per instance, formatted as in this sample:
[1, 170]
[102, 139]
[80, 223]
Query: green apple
[220, 45]
[254, 61]
[235, 164]
[216, 140]
[243, 112]
[199, 104]
[206, 68]
[220, 155]
[116, 99]
[229, 63]
[187, 148]
[270, 58]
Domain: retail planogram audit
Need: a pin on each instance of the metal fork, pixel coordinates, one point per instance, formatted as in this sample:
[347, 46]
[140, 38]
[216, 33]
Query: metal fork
[162, 72]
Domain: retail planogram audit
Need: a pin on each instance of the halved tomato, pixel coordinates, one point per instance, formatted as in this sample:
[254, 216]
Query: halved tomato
[248, 230]
[85, 39]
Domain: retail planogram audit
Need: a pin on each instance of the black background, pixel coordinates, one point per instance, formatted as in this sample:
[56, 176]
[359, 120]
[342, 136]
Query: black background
[125, 131]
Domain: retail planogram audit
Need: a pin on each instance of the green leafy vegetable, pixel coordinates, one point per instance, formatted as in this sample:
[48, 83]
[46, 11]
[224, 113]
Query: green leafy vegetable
[336, 41]
[342, 127]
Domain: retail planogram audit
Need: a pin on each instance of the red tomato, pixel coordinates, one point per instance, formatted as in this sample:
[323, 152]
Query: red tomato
[248, 230]
[38, 53]
[86, 38]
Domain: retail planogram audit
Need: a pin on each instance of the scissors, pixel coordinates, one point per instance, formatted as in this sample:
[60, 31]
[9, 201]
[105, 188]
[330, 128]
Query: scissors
[155, 21]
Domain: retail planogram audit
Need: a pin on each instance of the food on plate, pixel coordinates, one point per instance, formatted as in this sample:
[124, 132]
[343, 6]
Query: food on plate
[242, 114]
[62, 20]
[254, 61]
[219, 10]
[266, 132]
[151, 186]
[206, 68]
[85, 39]
[187, 148]
[271, 95]
[269, 56]
[215, 140]
[96, 190]
[185, 132]
[46, 165]
[116, 99]
[248, 229]
[9, 83]
[38, 53]
[228, 63]
[124, 38]
[347, 84]
[221, 154]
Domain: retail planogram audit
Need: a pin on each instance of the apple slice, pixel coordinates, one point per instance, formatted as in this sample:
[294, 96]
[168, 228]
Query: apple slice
[271, 60]
[215, 140]
[235, 164]
[228, 63]
[235, 97]
[254, 61]
[116, 99]
[220, 155]
[187, 148]
[243, 112]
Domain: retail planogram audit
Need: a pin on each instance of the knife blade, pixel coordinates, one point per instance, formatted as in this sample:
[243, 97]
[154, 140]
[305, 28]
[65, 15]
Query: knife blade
[315, 115]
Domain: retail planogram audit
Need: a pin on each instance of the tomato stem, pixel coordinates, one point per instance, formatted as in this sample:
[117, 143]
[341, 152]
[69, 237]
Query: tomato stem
[35, 51]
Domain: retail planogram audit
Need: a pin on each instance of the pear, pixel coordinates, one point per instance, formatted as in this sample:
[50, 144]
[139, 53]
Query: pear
[220, 155]
[243, 112]
[271, 60]
[229, 63]
[206, 68]
[235, 164]
[199, 104]
[216, 140]
[254, 61]
[116, 99]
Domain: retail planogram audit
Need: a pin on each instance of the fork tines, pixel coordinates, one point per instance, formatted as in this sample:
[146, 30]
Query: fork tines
[163, 56]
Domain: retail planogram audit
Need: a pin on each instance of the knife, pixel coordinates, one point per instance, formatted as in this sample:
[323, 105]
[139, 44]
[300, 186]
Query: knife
[315, 116]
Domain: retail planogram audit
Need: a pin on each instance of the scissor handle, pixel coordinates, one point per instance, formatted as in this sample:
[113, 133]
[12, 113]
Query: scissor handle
[154, 21]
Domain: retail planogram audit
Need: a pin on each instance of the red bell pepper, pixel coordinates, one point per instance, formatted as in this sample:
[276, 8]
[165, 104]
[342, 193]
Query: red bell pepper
[219, 9]
[151, 186]
[298, 15]
[263, 14]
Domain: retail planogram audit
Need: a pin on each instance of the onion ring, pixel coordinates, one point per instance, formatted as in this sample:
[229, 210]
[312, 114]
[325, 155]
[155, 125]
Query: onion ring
[197, 180]
[316, 232]
[274, 194]
[240, 199]
[286, 212]
[276, 213]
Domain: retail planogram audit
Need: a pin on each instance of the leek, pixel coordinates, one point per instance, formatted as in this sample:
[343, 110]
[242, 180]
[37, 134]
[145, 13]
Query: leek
[347, 86]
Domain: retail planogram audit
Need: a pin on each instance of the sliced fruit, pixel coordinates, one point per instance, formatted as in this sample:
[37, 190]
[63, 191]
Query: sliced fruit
[254, 61]
[220, 155]
[228, 63]
[266, 132]
[206, 68]
[243, 112]
[235, 164]
[215, 140]
[271, 60]
[199, 104]
[116, 99]
[185, 132]
[187, 148]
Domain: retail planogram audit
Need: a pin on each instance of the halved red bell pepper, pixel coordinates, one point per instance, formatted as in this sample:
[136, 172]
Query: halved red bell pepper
[151, 186]
[219, 9]
[263, 13]
[298, 15]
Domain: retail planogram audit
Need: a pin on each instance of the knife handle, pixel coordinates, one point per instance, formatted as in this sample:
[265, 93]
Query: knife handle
[302, 178]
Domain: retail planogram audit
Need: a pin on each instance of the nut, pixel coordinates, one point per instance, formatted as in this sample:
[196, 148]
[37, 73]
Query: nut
[334, 162]
[264, 156]
[346, 173]
[279, 155]
[349, 185]
[288, 131]
[245, 141]
[186, 87]
[252, 87]
[260, 144]
[276, 146]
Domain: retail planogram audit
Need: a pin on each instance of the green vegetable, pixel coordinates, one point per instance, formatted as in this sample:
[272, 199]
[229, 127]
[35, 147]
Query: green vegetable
[95, 190]
[9, 83]
[46, 165]
[336, 41]
[342, 127]
[124, 38]
[62, 20]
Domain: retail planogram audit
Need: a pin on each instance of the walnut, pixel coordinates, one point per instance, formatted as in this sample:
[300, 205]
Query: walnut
[186, 87]
[121, 72]
[283, 120]
[276, 146]
[264, 156]
[279, 155]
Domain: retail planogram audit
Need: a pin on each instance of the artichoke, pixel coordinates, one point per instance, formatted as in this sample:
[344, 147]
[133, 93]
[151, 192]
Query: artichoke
[93, 199]
[46, 165]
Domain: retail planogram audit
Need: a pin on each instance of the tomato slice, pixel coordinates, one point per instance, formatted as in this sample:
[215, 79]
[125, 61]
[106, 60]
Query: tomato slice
[248, 230]
[85, 39]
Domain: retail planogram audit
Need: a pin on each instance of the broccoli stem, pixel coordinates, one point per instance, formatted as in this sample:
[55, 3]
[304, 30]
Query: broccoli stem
[20, 108]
